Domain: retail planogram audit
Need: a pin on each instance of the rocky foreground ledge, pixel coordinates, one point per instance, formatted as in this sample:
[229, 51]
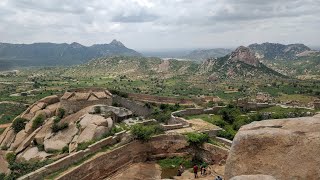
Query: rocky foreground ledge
[283, 149]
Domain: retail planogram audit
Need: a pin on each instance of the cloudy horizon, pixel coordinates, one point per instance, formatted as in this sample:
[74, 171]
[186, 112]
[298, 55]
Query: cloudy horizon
[161, 24]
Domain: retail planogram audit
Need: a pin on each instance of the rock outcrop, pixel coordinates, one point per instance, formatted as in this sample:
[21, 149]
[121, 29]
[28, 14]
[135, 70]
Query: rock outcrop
[284, 149]
[244, 54]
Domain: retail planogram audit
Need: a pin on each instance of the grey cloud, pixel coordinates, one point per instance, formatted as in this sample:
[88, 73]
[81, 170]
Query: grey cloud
[141, 16]
[178, 23]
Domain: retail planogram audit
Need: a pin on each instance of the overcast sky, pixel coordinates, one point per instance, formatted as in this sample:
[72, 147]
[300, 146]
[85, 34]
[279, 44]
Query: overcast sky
[161, 24]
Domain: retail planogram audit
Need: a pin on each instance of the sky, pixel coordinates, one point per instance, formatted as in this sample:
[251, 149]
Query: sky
[161, 24]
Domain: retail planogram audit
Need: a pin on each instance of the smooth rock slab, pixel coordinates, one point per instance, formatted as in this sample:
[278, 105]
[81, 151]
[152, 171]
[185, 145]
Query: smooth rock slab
[60, 139]
[32, 154]
[284, 149]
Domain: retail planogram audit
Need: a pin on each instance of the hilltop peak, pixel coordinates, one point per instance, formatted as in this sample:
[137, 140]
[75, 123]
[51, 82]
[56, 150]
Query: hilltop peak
[116, 43]
[245, 55]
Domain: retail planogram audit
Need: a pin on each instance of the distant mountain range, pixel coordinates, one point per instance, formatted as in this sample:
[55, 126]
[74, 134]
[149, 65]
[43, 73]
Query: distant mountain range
[275, 51]
[203, 54]
[43, 54]
[240, 65]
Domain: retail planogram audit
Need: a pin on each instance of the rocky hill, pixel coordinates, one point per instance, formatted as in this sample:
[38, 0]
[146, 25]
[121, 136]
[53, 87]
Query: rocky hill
[41, 54]
[203, 54]
[275, 51]
[241, 64]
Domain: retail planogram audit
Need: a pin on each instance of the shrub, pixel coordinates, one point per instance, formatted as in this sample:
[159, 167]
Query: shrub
[37, 122]
[56, 119]
[61, 113]
[175, 162]
[20, 169]
[19, 124]
[65, 149]
[11, 157]
[40, 147]
[197, 138]
[2, 175]
[56, 127]
[84, 145]
[143, 132]
[228, 133]
[97, 109]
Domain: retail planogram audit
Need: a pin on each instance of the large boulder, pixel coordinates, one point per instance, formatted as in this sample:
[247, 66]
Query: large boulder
[97, 120]
[8, 139]
[56, 141]
[19, 138]
[284, 149]
[91, 132]
[50, 99]
[45, 130]
[32, 153]
[27, 141]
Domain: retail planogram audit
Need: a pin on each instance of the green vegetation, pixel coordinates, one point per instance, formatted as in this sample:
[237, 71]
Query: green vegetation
[84, 145]
[58, 127]
[97, 109]
[144, 132]
[162, 113]
[9, 111]
[19, 169]
[61, 113]
[38, 121]
[232, 118]
[19, 124]
[175, 162]
[197, 139]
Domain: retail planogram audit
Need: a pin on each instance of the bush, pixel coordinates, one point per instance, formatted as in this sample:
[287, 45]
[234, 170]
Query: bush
[228, 133]
[61, 113]
[19, 124]
[38, 121]
[40, 147]
[65, 149]
[143, 132]
[11, 157]
[197, 138]
[20, 169]
[56, 127]
[2, 175]
[97, 109]
[56, 119]
[84, 145]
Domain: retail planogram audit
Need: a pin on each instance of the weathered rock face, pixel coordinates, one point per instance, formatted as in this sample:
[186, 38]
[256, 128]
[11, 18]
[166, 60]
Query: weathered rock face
[61, 139]
[284, 149]
[32, 154]
[3, 163]
[244, 54]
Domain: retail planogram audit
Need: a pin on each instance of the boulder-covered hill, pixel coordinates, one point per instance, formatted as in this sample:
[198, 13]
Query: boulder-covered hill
[203, 54]
[40, 54]
[240, 64]
[275, 51]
